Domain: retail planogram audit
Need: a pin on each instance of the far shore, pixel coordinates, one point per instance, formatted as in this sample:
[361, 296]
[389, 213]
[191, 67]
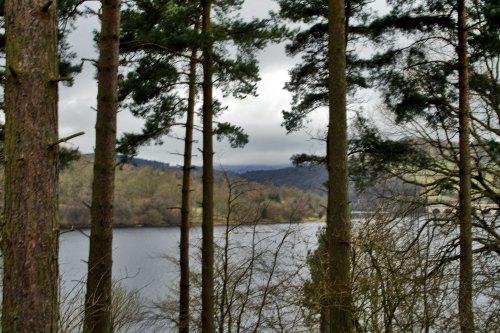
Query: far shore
[69, 227]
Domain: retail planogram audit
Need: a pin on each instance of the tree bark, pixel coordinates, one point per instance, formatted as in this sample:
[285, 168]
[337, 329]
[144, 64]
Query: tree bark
[30, 227]
[207, 250]
[338, 224]
[186, 197]
[98, 317]
[465, 310]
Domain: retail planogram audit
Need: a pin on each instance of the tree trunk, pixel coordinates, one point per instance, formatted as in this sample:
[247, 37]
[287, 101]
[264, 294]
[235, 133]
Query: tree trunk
[465, 312]
[30, 227]
[186, 197]
[207, 249]
[98, 317]
[338, 224]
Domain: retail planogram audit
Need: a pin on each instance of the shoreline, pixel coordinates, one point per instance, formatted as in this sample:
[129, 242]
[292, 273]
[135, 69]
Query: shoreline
[68, 227]
[75, 227]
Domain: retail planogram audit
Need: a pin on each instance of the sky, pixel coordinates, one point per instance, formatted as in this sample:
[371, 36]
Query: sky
[260, 116]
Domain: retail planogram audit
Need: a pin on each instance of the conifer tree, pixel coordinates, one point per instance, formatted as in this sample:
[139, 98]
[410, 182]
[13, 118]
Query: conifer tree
[338, 221]
[157, 38]
[207, 226]
[419, 81]
[319, 81]
[309, 78]
[99, 278]
[29, 224]
[161, 47]
[186, 197]
[435, 89]
[465, 304]
[425, 85]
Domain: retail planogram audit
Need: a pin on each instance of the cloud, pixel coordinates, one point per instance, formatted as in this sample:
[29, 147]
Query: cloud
[259, 116]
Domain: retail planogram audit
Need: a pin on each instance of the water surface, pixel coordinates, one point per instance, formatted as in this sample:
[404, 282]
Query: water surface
[146, 258]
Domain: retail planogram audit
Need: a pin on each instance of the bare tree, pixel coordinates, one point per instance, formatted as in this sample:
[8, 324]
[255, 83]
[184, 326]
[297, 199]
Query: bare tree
[128, 309]
[399, 282]
[259, 271]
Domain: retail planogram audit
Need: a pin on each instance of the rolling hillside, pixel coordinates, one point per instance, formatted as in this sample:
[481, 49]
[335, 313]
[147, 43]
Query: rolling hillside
[309, 179]
[151, 196]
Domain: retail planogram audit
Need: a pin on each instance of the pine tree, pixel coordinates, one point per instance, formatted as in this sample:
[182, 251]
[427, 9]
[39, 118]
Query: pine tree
[29, 225]
[418, 80]
[418, 87]
[207, 224]
[309, 78]
[186, 197]
[165, 38]
[156, 42]
[338, 221]
[428, 93]
[319, 81]
[99, 278]
[465, 303]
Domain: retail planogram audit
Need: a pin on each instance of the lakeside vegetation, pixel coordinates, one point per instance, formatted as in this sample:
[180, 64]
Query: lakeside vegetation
[147, 196]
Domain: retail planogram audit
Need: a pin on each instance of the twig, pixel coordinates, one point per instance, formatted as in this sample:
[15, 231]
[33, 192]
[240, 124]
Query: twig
[94, 61]
[67, 138]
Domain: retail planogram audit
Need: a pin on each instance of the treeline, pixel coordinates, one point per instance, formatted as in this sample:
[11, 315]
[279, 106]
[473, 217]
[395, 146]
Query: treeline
[151, 197]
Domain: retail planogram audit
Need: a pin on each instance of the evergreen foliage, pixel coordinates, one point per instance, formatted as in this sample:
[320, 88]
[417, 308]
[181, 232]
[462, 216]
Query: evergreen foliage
[235, 134]
[308, 79]
[68, 12]
[415, 67]
[371, 154]
[420, 88]
[155, 41]
[418, 79]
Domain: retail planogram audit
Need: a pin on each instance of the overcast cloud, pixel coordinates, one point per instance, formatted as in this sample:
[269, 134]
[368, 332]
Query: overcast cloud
[259, 116]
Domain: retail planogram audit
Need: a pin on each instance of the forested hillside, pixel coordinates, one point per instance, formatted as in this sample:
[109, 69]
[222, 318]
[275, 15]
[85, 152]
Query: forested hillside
[151, 197]
[309, 179]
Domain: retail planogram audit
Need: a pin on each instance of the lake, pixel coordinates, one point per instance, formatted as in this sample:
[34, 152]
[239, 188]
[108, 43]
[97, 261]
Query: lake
[145, 259]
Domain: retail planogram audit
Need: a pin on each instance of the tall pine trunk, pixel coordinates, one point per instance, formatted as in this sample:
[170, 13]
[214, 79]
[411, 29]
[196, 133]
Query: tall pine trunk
[99, 282]
[465, 311]
[186, 197]
[29, 225]
[338, 224]
[207, 249]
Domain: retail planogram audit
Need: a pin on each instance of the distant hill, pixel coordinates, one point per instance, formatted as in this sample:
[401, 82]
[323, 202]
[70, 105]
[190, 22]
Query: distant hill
[240, 169]
[148, 193]
[141, 162]
[310, 179]
[140, 203]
